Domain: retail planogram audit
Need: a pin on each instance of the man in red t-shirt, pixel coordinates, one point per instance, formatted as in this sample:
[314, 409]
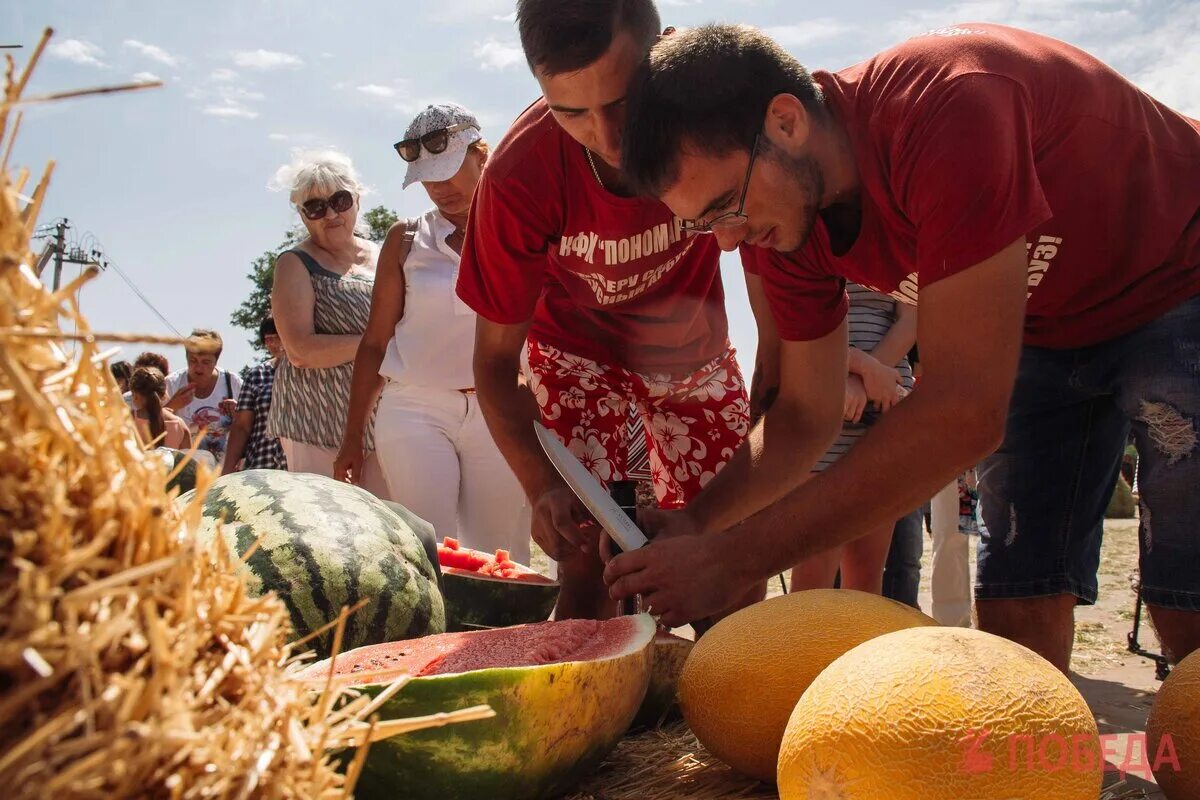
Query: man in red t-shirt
[1049, 213]
[598, 294]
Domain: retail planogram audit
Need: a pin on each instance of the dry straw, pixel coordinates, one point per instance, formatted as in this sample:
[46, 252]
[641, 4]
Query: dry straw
[131, 665]
[671, 764]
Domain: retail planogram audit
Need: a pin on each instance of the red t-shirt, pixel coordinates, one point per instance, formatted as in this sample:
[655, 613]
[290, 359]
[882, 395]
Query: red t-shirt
[604, 277]
[967, 138]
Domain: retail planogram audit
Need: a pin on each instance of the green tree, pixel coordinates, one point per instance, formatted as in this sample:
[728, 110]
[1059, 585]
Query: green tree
[257, 304]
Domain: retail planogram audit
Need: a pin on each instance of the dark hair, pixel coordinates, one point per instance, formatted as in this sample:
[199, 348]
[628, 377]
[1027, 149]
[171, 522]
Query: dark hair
[708, 88]
[150, 385]
[120, 370]
[567, 35]
[157, 360]
[267, 328]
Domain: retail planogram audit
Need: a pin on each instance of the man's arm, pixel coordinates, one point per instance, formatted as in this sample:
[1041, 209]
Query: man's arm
[781, 448]
[970, 333]
[764, 385]
[510, 411]
[239, 434]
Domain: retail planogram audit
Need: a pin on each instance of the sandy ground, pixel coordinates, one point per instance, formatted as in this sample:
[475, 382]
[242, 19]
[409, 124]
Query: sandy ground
[1118, 685]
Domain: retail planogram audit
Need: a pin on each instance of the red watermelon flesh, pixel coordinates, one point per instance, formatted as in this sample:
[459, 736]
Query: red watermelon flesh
[452, 556]
[453, 653]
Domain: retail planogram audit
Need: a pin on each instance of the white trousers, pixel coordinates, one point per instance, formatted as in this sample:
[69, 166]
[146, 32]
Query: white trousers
[950, 577]
[314, 458]
[441, 463]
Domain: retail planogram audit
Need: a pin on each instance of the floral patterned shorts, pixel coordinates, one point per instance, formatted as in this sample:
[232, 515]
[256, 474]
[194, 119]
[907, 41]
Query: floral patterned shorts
[693, 424]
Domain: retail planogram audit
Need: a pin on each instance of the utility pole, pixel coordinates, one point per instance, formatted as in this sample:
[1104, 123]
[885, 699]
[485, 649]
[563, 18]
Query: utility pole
[58, 247]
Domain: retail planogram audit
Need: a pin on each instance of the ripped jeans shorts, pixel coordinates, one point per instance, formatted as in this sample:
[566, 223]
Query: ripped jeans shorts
[1044, 492]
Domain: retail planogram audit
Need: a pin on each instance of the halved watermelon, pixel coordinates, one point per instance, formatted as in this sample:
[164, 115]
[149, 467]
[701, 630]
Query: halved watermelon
[563, 692]
[486, 591]
[662, 701]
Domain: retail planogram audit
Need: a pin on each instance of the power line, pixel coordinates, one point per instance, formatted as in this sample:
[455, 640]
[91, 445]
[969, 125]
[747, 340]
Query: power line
[142, 297]
[77, 252]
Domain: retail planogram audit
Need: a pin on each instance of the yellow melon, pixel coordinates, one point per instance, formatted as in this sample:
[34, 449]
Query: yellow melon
[1177, 712]
[745, 675]
[940, 714]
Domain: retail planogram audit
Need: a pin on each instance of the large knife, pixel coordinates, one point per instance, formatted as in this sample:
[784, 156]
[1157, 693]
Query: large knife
[615, 522]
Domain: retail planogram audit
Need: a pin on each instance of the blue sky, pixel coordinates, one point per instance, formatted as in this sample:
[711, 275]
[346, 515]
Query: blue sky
[173, 182]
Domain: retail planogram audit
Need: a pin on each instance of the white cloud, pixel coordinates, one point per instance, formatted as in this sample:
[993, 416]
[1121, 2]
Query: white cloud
[509, 17]
[153, 52]
[145, 77]
[223, 74]
[495, 55]
[277, 137]
[806, 33]
[458, 10]
[234, 94]
[377, 90]
[230, 111]
[78, 51]
[265, 59]
[680, 2]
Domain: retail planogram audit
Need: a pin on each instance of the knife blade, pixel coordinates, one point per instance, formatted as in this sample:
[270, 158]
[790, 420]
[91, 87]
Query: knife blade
[620, 528]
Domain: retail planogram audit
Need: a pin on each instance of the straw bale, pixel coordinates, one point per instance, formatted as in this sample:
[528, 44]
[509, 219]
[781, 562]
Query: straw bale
[132, 664]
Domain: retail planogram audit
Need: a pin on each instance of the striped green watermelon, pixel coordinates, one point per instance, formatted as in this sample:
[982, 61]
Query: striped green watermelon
[325, 545]
[185, 481]
[486, 591]
[563, 692]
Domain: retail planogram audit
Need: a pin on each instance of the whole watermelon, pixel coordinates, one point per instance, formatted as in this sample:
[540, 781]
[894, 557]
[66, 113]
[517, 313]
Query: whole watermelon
[324, 545]
[185, 481]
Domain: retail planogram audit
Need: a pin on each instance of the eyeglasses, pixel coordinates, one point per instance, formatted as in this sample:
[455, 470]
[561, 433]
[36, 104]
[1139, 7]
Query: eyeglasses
[434, 141]
[340, 201]
[730, 219]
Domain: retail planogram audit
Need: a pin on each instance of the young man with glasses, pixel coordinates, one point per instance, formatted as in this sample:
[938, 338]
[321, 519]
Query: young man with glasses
[603, 298]
[1049, 213]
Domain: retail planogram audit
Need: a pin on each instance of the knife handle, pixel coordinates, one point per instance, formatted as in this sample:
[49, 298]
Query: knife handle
[624, 494]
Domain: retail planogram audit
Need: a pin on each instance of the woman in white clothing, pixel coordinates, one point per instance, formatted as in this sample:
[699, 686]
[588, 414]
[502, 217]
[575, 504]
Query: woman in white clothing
[435, 451]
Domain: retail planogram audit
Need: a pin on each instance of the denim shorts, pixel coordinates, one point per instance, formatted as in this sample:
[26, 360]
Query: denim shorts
[1044, 492]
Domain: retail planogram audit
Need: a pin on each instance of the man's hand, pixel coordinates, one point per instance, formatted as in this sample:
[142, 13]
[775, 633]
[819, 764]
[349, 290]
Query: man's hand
[681, 578]
[561, 523]
[881, 382]
[227, 406]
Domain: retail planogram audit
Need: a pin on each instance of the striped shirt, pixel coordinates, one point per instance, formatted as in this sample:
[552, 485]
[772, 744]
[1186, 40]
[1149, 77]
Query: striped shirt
[870, 317]
[262, 451]
[310, 405]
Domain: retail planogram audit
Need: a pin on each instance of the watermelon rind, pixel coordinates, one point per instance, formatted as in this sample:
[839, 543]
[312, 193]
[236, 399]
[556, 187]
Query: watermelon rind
[554, 724]
[662, 699]
[326, 545]
[483, 601]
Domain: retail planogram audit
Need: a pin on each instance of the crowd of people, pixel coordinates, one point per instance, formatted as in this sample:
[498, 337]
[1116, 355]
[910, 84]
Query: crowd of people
[570, 276]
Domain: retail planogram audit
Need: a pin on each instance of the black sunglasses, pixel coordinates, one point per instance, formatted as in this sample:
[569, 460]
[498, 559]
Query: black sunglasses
[434, 141]
[340, 201]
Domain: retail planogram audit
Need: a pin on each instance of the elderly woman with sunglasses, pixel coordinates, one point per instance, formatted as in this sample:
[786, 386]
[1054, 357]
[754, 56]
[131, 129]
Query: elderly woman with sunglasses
[321, 299]
[435, 450]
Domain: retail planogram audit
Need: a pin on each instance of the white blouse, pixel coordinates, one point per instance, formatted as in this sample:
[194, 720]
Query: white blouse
[435, 338]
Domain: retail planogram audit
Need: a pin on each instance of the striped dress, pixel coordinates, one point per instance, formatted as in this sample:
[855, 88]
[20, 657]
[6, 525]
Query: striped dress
[871, 317]
[309, 405]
